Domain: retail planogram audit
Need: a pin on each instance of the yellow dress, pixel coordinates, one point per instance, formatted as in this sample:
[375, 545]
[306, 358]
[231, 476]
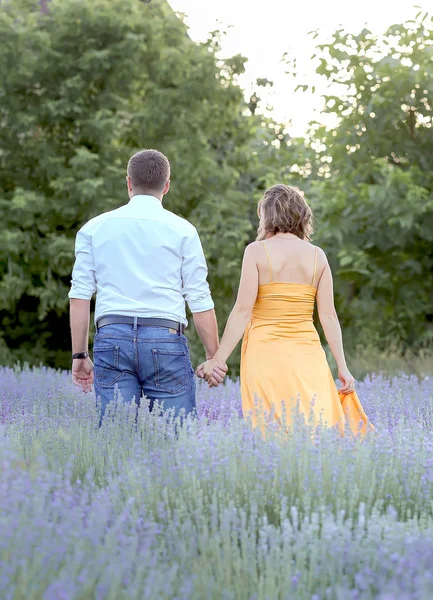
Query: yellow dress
[284, 367]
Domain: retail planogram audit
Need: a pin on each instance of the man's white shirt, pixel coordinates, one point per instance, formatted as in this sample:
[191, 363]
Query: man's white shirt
[143, 261]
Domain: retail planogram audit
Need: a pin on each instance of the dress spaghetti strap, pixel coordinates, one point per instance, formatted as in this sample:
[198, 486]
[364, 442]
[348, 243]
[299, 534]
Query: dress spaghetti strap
[315, 265]
[270, 264]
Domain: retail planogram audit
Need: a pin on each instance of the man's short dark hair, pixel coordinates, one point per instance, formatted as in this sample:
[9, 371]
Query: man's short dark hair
[149, 171]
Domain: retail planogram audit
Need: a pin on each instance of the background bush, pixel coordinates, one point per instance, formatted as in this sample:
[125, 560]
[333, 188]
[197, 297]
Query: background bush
[85, 83]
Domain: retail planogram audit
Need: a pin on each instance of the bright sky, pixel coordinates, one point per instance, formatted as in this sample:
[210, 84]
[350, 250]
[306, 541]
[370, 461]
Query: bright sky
[264, 30]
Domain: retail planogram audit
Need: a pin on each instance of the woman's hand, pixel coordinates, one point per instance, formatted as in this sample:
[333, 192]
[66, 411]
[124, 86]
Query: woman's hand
[213, 371]
[347, 379]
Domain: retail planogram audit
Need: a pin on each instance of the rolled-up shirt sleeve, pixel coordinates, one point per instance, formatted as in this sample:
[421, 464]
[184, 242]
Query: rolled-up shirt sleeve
[83, 284]
[194, 275]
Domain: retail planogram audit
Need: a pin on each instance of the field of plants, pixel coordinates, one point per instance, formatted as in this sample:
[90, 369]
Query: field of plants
[211, 511]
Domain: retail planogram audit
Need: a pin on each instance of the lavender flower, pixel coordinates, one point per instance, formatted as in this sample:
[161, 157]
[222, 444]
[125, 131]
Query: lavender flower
[149, 509]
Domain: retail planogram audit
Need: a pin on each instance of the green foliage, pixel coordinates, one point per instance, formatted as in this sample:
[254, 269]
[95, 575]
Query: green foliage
[86, 83]
[84, 86]
[374, 194]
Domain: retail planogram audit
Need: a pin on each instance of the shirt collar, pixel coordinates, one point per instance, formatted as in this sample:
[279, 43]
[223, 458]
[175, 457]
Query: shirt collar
[145, 201]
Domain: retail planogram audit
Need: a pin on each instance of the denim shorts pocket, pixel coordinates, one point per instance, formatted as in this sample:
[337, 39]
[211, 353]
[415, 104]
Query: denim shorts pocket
[171, 370]
[106, 359]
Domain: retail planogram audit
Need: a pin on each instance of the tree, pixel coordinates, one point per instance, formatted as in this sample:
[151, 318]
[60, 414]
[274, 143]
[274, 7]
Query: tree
[373, 193]
[85, 84]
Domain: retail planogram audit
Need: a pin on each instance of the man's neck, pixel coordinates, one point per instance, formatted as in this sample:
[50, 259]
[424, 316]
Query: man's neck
[134, 194]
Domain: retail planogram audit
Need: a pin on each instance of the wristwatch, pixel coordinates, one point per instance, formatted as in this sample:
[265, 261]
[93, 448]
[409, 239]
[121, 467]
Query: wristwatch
[80, 355]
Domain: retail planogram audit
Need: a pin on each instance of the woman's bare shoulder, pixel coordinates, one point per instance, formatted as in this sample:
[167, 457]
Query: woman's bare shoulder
[254, 248]
[321, 254]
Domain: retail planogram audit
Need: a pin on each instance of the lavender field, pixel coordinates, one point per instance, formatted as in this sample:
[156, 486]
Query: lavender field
[136, 512]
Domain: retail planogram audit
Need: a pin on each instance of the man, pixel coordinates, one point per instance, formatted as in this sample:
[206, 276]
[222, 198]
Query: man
[143, 262]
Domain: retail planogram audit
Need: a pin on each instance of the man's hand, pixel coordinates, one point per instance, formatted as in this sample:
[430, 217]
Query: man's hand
[213, 371]
[200, 375]
[82, 373]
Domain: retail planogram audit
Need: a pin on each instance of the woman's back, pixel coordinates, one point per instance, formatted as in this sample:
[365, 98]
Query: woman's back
[283, 310]
[288, 259]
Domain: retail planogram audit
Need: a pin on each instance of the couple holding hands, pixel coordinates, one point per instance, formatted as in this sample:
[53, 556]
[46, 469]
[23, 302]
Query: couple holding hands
[144, 262]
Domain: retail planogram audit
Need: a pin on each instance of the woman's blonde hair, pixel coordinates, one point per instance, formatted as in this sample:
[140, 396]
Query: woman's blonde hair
[283, 209]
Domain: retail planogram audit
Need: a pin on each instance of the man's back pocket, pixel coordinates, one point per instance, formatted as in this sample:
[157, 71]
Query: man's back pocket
[171, 370]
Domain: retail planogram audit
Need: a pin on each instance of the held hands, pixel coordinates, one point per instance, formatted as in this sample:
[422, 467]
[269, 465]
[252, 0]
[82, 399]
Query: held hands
[347, 380]
[213, 371]
[82, 374]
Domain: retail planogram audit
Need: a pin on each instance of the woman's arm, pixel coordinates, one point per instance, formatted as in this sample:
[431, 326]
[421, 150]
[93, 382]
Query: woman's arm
[331, 326]
[240, 315]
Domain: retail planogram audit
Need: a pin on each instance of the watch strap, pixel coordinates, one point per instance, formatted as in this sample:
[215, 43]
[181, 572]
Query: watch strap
[80, 355]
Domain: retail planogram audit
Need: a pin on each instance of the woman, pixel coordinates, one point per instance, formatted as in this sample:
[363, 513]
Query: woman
[283, 365]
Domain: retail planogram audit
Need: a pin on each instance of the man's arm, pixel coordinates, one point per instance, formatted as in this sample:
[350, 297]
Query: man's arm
[82, 289]
[80, 320]
[207, 329]
[82, 368]
[197, 293]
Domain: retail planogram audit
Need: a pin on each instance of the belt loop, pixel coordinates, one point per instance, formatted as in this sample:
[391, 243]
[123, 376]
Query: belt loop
[135, 323]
